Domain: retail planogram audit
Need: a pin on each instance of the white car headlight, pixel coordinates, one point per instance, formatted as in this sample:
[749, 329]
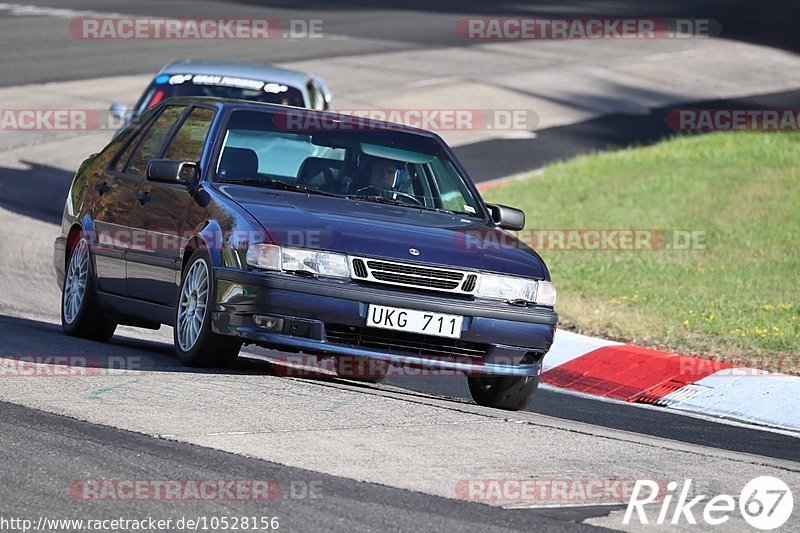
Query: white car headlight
[509, 288]
[274, 257]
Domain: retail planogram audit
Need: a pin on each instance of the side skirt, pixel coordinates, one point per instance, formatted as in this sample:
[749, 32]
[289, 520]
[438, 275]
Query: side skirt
[132, 312]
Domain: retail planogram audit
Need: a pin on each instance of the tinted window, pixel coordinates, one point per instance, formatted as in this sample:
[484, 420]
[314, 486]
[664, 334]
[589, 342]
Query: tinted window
[133, 134]
[119, 166]
[187, 145]
[151, 144]
[280, 155]
[355, 161]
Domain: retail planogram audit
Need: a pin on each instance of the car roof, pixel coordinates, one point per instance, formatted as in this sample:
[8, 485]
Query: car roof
[326, 115]
[254, 71]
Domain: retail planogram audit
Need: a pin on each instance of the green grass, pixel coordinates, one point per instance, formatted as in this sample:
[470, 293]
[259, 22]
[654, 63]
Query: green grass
[737, 298]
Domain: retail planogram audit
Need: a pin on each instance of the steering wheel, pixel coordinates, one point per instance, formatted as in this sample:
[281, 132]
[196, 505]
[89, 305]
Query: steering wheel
[405, 196]
[389, 194]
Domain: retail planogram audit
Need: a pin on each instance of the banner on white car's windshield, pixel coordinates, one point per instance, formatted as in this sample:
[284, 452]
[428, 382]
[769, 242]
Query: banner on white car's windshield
[223, 81]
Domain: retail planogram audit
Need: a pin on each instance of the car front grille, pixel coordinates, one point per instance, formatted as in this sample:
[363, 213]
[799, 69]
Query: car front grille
[412, 275]
[359, 268]
[399, 342]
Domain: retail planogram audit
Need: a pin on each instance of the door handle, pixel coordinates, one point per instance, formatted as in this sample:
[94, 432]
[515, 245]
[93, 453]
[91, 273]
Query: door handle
[143, 197]
[102, 187]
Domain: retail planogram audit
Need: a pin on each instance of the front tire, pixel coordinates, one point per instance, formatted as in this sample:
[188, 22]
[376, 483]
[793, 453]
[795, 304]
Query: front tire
[195, 343]
[503, 392]
[80, 314]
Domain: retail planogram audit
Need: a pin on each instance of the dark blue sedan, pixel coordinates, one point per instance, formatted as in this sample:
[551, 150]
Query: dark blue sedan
[304, 231]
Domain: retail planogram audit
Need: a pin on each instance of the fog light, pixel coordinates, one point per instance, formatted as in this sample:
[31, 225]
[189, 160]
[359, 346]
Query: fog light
[271, 323]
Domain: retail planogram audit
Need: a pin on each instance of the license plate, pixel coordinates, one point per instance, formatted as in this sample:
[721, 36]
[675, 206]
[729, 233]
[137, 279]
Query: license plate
[413, 321]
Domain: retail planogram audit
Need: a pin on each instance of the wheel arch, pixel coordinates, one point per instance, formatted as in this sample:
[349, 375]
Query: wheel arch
[85, 226]
[206, 236]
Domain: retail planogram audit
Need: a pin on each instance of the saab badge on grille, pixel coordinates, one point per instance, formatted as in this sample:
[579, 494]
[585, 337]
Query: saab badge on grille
[413, 251]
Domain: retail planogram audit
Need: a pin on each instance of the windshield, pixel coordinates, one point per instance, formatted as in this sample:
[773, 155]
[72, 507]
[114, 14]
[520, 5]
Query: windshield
[166, 86]
[380, 165]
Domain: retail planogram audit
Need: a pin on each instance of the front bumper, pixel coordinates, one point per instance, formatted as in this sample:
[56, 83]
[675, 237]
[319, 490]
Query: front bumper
[512, 340]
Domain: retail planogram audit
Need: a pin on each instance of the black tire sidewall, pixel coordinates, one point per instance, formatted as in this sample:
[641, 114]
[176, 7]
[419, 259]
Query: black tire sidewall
[504, 392]
[209, 349]
[89, 321]
[192, 356]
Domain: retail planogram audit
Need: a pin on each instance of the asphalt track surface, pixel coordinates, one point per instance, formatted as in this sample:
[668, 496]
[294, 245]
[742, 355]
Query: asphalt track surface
[49, 452]
[42, 452]
[33, 52]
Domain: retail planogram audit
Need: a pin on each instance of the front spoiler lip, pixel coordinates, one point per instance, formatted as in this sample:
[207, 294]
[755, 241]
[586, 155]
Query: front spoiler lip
[323, 348]
[382, 296]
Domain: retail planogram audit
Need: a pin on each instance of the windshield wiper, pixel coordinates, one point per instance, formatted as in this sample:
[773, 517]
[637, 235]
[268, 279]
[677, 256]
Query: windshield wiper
[278, 184]
[391, 201]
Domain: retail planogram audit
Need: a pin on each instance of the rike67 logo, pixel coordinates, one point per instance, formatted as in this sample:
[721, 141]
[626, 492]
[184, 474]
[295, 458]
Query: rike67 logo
[765, 503]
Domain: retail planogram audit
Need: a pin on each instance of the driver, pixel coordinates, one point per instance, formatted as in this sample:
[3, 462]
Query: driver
[385, 177]
[382, 174]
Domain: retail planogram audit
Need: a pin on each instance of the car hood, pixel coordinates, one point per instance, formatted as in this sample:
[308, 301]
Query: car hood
[387, 231]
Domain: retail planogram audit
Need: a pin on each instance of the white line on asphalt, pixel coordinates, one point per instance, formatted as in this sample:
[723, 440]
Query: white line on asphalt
[20, 10]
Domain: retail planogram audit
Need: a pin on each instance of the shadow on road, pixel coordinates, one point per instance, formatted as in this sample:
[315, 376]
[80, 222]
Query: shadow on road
[26, 340]
[38, 191]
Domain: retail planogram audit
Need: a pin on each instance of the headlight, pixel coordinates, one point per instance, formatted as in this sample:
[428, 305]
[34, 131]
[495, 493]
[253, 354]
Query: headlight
[274, 257]
[511, 289]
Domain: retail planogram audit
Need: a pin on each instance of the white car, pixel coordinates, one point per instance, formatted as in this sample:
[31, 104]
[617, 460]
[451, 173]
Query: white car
[222, 79]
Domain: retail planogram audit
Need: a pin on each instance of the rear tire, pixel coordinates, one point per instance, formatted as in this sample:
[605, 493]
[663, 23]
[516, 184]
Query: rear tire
[195, 343]
[503, 392]
[80, 314]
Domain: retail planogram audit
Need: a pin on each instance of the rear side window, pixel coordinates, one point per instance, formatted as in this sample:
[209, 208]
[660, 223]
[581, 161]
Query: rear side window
[151, 143]
[188, 143]
[119, 166]
[136, 130]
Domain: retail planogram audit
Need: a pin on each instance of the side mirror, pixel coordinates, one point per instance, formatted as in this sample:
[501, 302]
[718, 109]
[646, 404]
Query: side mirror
[118, 110]
[171, 171]
[508, 217]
